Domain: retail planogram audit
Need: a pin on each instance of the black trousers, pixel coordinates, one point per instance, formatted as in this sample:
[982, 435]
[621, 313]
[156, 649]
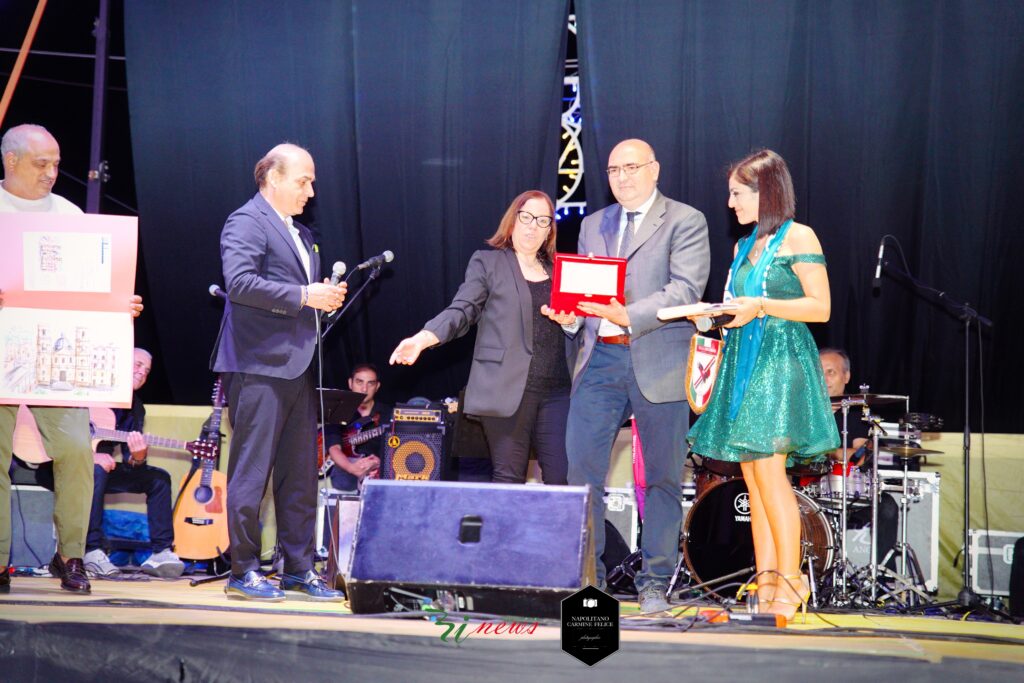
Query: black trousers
[273, 425]
[538, 422]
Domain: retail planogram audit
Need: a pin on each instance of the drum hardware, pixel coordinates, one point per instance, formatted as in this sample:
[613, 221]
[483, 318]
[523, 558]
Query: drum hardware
[909, 451]
[811, 558]
[923, 422]
[876, 428]
[906, 582]
[845, 403]
[905, 496]
[680, 569]
[867, 399]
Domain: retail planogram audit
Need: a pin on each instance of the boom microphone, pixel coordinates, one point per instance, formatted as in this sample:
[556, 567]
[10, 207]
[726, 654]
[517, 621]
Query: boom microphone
[377, 261]
[337, 272]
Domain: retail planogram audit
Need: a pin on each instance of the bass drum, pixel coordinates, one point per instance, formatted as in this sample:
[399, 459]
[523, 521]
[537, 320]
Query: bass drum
[717, 541]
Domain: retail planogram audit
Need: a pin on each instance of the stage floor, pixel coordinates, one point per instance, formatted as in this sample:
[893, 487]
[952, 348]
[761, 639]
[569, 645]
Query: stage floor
[169, 630]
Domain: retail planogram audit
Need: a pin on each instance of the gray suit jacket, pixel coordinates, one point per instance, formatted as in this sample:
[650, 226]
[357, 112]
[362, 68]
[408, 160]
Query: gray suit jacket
[668, 263]
[495, 297]
[265, 330]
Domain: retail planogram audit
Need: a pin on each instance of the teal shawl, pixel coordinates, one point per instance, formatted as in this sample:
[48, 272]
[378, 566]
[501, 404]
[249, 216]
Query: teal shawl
[754, 330]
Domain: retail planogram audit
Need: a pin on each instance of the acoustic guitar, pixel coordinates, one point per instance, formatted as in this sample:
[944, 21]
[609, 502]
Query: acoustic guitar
[200, 513]
[28, 442]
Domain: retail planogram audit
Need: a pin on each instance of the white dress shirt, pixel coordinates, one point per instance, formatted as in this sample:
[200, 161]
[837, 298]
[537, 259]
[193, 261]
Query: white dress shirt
[610, 329]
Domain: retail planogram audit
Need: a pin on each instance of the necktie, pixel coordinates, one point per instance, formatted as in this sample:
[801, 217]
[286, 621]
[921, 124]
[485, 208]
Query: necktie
[627, 235]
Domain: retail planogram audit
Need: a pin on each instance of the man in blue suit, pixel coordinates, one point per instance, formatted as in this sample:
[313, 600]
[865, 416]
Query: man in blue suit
[631, 363]
[265, 349]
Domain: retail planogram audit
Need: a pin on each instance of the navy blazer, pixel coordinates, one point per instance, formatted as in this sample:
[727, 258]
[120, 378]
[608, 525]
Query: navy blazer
[496, 297]
[265, 330]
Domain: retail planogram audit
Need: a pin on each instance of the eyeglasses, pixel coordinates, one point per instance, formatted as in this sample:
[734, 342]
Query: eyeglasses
[525, 217]
[628, 169]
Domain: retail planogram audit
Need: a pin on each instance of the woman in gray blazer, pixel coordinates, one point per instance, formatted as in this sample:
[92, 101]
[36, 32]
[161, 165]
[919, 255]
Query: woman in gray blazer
[519, 380]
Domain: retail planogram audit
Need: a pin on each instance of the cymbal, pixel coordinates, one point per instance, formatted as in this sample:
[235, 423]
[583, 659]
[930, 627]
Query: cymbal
[905, 451]
[868, 399]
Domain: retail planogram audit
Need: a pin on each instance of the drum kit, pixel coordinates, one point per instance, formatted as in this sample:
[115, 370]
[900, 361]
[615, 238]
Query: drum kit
[717, 552]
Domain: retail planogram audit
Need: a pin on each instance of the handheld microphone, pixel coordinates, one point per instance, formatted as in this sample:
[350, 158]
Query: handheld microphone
[377, 261]
[216, 291]
[876, 284]
[337, 272]
[713, 322]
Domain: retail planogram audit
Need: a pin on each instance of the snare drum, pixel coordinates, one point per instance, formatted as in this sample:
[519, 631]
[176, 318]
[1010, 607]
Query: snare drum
[717, 539]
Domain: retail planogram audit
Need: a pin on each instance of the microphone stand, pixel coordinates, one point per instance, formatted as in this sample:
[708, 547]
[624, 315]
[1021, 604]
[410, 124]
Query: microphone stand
[334, 317]
[966, 600]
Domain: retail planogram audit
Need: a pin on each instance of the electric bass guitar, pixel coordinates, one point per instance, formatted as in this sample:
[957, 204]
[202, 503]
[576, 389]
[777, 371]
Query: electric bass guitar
[200, 513]
[348, 444]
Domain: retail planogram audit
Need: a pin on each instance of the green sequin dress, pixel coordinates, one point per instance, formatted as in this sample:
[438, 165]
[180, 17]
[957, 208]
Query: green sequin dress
[786, 408]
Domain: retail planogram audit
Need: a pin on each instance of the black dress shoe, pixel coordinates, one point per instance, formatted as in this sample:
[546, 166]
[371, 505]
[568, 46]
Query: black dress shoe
[71, 574]
[5, 579]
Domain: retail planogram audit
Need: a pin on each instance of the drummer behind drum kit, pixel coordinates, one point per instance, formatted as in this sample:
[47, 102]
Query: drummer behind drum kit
[717, 551]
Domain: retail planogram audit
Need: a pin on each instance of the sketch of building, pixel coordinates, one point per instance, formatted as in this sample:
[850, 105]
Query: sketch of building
[61, 364]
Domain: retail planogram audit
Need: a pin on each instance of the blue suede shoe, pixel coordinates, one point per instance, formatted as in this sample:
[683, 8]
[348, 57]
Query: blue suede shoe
[310, 586]
[252, 586]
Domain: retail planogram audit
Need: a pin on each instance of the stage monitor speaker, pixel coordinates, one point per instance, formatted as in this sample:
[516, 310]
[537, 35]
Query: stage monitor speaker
[415, 448]
[34, 538]
[507, 549]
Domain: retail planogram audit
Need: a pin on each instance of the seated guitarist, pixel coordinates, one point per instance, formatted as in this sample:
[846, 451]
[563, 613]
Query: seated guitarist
[348, 470]
[130, 475]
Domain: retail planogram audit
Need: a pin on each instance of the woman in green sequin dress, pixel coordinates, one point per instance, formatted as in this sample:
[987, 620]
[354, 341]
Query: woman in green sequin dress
[770, 402]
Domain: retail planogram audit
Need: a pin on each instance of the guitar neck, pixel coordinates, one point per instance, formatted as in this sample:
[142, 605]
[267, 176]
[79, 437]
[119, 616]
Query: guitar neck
[151, 440]
[363, 437]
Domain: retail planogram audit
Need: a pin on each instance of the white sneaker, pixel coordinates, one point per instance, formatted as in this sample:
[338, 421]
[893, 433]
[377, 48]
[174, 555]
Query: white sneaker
[164, 564]
[97, 564]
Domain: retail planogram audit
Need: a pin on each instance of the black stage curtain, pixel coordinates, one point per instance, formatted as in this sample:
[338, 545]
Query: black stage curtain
[427, 118]
[424, 119]
[895, 118]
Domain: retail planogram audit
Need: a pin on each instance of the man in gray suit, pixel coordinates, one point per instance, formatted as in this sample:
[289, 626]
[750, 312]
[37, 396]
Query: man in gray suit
[265, 349]
[630, 362]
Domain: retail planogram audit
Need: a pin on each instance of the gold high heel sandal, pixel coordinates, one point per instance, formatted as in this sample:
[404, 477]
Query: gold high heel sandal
[803, 594]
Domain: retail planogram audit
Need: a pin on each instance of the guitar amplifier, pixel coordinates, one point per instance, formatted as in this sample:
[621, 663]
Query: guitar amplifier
[34, 538]
[415, 448]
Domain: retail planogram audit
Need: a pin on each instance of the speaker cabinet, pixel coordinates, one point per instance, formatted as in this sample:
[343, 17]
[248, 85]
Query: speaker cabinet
[415, 448]
[34, 538]
[506, 549]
